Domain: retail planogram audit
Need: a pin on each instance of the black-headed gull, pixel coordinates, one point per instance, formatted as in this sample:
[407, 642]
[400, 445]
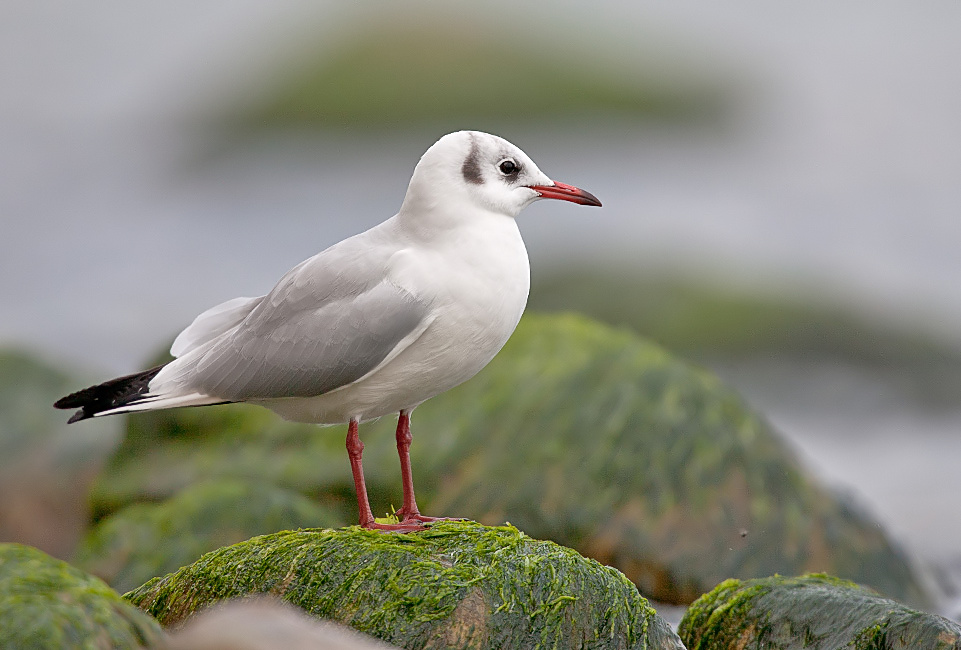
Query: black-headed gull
[375, 324]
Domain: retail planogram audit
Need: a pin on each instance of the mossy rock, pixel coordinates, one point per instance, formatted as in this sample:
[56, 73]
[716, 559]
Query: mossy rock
[717, 324]
[46, 468]
[146, 540]
[47, 604]
[816, 612]
[26, 386]
[457, 584]
[576, 432]
[28, 422]
[445, 69]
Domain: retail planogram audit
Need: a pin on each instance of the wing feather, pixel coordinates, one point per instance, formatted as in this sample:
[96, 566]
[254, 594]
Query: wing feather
[315, 332]
[212, 323]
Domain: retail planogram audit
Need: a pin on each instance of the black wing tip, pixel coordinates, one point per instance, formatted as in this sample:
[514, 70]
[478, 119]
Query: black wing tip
[79, 415]
[108, 395]
[71, 401]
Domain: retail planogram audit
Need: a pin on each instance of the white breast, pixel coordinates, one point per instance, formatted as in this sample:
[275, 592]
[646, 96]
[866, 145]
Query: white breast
[477, 280]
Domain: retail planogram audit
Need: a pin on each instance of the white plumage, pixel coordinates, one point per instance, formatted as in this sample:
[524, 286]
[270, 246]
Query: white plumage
[377, 323]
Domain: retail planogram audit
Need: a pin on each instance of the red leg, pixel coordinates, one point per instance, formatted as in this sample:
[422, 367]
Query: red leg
[409, 511]
[355, 451]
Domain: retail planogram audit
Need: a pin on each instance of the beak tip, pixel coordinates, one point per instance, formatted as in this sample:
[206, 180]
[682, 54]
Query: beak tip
[566, 192]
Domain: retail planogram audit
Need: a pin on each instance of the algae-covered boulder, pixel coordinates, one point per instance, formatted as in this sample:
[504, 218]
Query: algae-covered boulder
[816, 612]
[147, 540]
[46, 603]
[576, 432]
[723, 326]
[458, 584]
[45, 468]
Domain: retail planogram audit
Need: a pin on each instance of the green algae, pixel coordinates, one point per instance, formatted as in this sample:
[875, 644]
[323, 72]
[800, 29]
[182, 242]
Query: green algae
[815, 611]
[146, 539]
[458, 584]
[47, 604]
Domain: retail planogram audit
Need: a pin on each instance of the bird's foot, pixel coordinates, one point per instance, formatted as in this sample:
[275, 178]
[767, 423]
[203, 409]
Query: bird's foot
[403, 527]
[411, 517]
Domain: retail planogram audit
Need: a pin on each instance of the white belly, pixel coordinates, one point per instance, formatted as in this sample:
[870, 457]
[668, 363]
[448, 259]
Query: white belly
[476, 304]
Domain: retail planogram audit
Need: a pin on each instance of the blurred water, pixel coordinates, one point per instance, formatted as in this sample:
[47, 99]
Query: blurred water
[837, 175]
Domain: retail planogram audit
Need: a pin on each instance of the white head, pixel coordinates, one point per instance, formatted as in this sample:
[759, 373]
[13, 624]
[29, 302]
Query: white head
[486, 172]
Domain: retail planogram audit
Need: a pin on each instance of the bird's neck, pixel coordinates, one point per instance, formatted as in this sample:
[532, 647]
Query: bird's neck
[428, 219]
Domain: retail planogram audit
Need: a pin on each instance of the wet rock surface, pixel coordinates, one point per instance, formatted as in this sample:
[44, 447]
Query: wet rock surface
[456, 585]
[46, 603]
[814, 612]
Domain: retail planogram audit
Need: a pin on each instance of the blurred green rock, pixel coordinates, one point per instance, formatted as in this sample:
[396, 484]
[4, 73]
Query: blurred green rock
[816, 612]
[28, 421]
[146, 540]
[720, 326]
[446, 69]
[47, 604]
[45, 467]
[458, 584]
[165, 451]
[576, 432]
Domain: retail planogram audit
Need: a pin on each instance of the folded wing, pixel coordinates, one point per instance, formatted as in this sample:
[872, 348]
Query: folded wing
[212, 323]
[296, 343]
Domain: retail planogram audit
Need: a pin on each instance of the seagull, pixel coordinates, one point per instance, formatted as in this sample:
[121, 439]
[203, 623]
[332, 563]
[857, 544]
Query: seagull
[377, 323]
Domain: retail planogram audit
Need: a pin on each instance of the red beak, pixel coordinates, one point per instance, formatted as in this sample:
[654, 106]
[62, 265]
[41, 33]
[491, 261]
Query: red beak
[566, 192]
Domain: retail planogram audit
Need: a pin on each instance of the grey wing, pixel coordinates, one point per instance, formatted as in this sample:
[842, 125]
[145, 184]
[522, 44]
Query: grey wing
[212, 323]
[295, 346]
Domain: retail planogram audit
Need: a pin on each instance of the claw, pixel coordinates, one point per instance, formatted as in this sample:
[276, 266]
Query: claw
[406, 518]
[402, 527]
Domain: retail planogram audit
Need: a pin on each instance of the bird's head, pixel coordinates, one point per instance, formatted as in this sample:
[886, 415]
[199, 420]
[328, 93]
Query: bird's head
[485, 172]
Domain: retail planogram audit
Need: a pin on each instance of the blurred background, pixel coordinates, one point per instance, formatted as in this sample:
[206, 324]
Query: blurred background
[780, 183]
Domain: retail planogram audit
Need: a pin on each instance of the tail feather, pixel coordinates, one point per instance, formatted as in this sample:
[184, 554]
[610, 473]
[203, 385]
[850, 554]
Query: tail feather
[108, 395]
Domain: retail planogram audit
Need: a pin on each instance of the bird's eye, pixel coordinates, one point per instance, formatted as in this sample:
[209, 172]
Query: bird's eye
[508, 167]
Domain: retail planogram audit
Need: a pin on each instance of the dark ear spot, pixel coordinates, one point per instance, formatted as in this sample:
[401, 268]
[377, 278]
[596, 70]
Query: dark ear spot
[471, 168]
